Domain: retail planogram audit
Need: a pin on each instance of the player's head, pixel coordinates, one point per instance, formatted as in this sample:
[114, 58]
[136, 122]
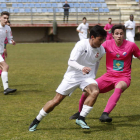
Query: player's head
[97, 36]
[4, 17]
[66, 2]
[84, 20]
[8, 23]
[109, 20]
[118, 33]
[131, 17]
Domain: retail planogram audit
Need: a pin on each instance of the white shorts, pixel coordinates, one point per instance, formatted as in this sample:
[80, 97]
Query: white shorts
[81, 36]
[1, 58]
[67, 87]
[130, 38]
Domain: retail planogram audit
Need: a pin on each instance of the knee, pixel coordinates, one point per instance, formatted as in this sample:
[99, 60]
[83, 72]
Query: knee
[95, 93]
[5, 67]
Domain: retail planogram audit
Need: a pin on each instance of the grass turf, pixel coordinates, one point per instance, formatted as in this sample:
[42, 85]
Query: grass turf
[36, 70]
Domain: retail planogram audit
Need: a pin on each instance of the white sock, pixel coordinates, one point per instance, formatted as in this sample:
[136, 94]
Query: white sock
[4, 77]
[85, 110]
[41, 115]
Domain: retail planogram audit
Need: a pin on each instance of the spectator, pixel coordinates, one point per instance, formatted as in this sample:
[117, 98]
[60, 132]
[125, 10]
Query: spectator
[66, 8]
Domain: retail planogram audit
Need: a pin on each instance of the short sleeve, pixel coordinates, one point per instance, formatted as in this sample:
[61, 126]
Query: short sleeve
[104, 45]
[126, 24]
[77, 51]
[105, 28]
[79, 27]
[136, 50]
[87, 26]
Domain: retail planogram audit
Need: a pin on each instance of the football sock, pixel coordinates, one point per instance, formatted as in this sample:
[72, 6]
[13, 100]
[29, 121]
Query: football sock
[113, 100]
[81, 101]
[85, 110]
[4, 77]
[41, 115]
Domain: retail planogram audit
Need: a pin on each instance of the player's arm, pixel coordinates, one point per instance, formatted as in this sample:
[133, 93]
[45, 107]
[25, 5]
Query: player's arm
[126, 26]
[75, 54]
[78, 29]
[10, 37]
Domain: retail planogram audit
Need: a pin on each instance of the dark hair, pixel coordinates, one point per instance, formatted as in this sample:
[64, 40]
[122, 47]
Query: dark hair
[109, 18]
[84, 18]
[5, 13]
[97, 31]
[8, 21]
[119, 26]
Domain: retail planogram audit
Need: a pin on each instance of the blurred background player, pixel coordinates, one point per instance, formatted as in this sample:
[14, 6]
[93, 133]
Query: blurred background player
[5, 32]
[83, 29]
[66, 8]
[5, 50]
[108, 28]
[130, 29]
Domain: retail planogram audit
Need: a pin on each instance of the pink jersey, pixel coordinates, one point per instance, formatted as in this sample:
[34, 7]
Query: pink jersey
[6, 41]
[118, 59]
[107, 27]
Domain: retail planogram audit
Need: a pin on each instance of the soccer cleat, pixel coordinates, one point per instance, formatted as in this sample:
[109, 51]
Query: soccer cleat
[82, 123]
[75, 116]
[8, 90]
[105, 118]
[33, 125]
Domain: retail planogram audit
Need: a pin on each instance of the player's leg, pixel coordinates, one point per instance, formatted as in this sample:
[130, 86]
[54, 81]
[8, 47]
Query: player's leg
[4, 76]
[81, 102]
[3, 56]
[49, 106]
[93, 92]
[119, 88]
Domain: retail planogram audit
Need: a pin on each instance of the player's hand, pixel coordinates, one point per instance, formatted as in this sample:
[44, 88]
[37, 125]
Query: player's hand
[86, 70]
[13, 42]
[5, 53]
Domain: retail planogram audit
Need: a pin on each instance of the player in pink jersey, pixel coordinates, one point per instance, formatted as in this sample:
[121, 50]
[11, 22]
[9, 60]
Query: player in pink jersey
[5, 50]
[108, 28]
[119, 54]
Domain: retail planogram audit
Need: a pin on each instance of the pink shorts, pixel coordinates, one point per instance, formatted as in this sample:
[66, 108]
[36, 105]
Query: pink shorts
[107, 83]
[109, 37]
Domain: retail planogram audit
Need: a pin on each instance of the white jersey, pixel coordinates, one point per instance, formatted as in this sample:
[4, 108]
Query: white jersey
[130, 24]
[86, 56]
[83, 28]
[5, 32]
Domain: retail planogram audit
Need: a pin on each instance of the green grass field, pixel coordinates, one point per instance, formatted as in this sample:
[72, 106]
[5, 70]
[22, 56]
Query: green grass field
[36, 70]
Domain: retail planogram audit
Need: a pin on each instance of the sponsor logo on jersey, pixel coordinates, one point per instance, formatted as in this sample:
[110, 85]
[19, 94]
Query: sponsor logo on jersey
[124, 53]
[97, 55]
[85, 51]
[117, 55]
[118, 65]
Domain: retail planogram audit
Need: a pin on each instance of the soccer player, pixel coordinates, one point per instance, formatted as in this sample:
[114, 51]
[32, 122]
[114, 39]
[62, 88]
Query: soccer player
[130, 30]
[5, 31]
[83, 29]
[5, 50]
[108, 28]
[118, 76]
[80, 73]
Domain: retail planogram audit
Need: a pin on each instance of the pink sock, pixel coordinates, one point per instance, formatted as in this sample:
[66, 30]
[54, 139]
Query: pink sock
[81, 102]
[0, 72]
[113, 100]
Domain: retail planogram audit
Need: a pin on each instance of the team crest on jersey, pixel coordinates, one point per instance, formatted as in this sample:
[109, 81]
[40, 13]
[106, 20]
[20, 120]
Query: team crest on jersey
[117, 55]
[97, 55]
[124, 53]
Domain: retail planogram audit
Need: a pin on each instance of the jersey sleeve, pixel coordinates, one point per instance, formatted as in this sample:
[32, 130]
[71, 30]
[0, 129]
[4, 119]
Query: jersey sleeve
[104, 45]
[9, 35]
[136, 50]
[79, 27]
[105, 28]
[87, 26]
[77, 51]
[126, 24]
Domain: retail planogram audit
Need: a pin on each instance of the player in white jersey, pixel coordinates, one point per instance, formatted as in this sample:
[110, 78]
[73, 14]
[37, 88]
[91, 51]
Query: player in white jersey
[83, 29]
[80, 73]
[5, 31]
[130, 29]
